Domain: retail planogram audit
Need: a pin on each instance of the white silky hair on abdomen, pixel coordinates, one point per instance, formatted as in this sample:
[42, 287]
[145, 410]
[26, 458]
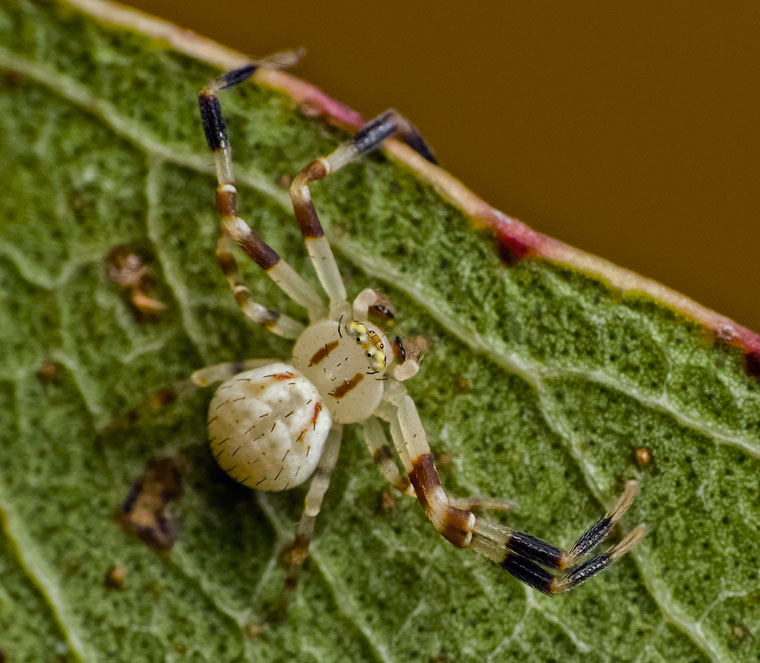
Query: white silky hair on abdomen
[268, 427]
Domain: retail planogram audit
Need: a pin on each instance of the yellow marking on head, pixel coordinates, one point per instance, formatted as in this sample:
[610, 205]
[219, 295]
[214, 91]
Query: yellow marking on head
[370, 341]
[379, 353]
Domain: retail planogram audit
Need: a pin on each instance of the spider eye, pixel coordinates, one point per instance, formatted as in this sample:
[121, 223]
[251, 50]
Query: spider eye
[369, 355]
[358, 340]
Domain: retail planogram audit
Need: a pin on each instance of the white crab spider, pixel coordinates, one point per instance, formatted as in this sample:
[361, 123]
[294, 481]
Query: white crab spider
[268, 425]
[275, 424]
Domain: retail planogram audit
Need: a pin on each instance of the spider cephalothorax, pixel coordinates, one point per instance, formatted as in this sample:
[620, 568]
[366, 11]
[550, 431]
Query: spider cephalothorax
[275, 424]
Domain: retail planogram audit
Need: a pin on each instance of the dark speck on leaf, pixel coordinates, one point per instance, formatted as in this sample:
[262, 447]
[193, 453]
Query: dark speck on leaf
[47, 373]
[752, 364]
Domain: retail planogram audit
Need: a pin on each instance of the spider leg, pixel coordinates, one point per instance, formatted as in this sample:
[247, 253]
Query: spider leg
[221, 372]
[363, 301]
[407, 370]
[480, 503]
[522, 555]
[274, 321]
[226, 197]
[383, 457]
[381, 454]
[181, 390]
[320, 482]
[365, 140]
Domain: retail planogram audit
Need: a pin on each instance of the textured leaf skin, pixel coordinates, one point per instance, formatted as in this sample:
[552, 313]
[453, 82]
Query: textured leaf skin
[541, 383]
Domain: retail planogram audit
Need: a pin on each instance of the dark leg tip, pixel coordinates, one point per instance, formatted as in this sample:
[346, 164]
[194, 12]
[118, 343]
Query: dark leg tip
[587, 569]
[213, 122]
[534, 549]
[236, 76]
[372, 134]
[592, 537]
[417, 143]
[528, 572]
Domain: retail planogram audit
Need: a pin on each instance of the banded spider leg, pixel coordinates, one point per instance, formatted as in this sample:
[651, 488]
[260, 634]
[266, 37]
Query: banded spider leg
[326, 378]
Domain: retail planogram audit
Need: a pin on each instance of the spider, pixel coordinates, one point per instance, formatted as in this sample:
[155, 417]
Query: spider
[274, 425]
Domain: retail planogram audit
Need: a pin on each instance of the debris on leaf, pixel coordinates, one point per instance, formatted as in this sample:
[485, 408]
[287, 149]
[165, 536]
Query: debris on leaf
[142, 513]
[47, 373]
[643, 457]
[115, 576]
[126, 267]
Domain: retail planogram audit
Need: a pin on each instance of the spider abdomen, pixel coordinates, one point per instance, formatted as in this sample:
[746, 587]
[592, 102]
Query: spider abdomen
[268, 427]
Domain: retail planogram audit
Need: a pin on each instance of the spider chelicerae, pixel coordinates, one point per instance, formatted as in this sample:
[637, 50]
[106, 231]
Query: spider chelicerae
[274, 425]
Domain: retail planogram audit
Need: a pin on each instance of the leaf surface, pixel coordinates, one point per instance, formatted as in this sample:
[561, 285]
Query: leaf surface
[548, 369]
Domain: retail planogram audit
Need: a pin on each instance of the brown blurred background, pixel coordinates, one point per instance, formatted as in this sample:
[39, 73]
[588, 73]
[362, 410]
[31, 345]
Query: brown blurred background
[630, 130]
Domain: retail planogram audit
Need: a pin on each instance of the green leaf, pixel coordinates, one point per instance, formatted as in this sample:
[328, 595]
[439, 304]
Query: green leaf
[548, 369]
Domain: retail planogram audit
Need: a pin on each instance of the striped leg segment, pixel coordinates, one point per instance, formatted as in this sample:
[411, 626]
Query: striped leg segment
[180, 390]
[383, 457]
[524, 556]
[314, 236]
[320, 482]
[221, 372]
[381, 454]
[480, 503]
[371, 135]
[366, 139]
[274, 321]
[226, 197]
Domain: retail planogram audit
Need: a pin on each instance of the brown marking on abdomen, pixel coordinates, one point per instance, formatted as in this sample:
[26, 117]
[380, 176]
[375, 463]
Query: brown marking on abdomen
[317, 410]
[321, 354]
[348, 385]
[281, 376]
